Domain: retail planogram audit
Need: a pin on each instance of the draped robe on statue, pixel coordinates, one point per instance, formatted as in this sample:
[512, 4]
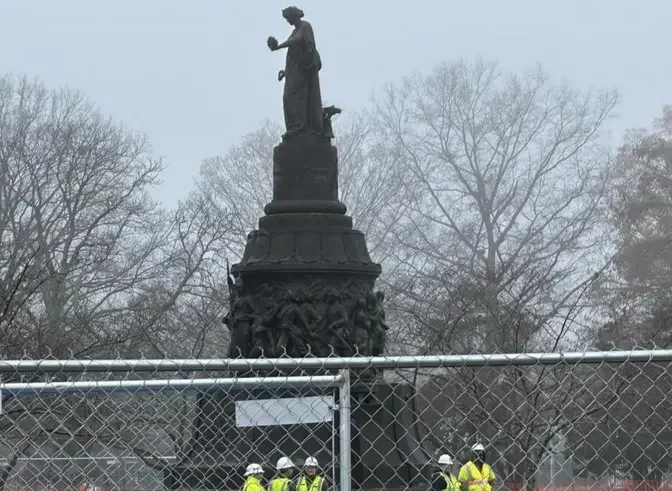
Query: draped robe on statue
[302, 99]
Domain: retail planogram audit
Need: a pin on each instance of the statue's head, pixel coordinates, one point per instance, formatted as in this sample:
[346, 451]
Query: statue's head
[292, 15]
[331, 295]
[300, 296]
[288, 295]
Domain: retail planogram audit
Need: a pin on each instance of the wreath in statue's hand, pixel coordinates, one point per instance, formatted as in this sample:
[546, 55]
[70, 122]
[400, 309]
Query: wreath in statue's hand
[272, 43]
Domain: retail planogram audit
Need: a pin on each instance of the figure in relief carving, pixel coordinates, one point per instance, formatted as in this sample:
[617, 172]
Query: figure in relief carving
[302, 98]
[312, 319]
[289, 342]
[337, 325]
[295, 324]
[379, 327]
[262, 333]
[299, 321]
[241, 324]
[235, 289]
[361, 328]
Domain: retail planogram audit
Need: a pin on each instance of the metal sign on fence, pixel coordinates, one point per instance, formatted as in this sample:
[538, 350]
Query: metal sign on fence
[285, 411]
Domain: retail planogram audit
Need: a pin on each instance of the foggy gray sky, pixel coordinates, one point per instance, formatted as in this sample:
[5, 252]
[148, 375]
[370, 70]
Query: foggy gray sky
[195, 76]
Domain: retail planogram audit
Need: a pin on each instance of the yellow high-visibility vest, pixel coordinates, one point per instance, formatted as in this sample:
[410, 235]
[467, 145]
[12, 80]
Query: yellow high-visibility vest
[474, 478]
[280, 483]
[316, 485]
[452, 484]
[253, 484]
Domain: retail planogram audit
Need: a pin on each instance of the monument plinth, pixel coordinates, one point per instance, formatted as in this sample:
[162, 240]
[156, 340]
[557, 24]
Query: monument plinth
[305, 177]
[305, 288]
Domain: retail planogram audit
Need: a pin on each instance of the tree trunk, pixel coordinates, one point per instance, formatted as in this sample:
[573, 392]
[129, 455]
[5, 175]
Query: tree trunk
[530, 478]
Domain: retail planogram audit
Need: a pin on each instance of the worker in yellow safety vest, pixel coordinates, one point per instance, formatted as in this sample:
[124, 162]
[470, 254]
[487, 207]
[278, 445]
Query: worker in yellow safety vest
[445, 480]
[311, 480]
[254, 474]
[476, 475]
[283, 482]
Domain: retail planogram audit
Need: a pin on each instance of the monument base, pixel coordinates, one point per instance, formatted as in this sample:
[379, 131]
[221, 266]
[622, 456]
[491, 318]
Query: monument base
[305, 283]
[390, 447]
[305, 287]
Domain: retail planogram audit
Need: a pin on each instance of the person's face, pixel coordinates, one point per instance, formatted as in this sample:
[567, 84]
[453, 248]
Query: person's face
[290, 472]
[447, 467]
[311, 470]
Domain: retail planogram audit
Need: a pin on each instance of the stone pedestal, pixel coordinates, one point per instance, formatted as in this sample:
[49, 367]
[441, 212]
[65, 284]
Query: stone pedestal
[305, 177]
[305, 287]
[305, 282]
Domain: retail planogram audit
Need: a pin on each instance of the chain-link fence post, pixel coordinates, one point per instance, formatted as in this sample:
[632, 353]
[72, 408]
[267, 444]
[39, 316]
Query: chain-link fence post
[344, 430]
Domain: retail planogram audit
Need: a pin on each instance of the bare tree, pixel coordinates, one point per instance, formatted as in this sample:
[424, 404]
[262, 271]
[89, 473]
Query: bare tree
[633, 435]
[637, 292]
[506, 179]
[75, 211]
[90, 265]
[500, 241]
[159, 428]
[185, 305]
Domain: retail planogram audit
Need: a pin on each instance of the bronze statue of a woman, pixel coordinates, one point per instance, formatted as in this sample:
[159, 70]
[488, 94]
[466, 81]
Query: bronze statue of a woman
[302, 99]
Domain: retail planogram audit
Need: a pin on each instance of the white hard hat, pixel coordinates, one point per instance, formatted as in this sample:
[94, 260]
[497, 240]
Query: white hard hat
[478, 448]
[310, 462]
[253, 469]
[445, 460]
[284, 463]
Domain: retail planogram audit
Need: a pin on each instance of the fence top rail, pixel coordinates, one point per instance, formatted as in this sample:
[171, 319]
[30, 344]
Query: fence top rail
[336, 363]
[131, 386]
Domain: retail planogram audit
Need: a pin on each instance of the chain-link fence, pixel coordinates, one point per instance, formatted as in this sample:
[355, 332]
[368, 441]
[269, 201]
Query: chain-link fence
[598, 420]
